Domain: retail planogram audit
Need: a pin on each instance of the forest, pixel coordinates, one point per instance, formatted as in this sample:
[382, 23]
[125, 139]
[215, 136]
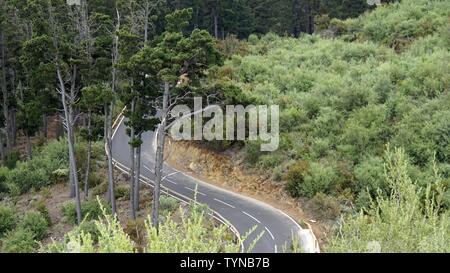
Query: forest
[363, 91]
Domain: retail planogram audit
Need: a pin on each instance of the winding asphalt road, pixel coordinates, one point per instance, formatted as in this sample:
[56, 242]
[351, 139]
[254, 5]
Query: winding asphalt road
[239, 212]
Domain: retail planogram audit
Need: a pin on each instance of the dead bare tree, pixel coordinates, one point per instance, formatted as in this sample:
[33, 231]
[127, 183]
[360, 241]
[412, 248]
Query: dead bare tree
[109, 111]
[68, 100]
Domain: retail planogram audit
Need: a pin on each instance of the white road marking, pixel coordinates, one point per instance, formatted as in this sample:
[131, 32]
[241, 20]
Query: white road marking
[164, 179]
[225, 203]
[117, 128]
[217, 215]
[169, 175]
[198, 192]
[170, 181]
[249, 215]
[270, 233]
[276, 249]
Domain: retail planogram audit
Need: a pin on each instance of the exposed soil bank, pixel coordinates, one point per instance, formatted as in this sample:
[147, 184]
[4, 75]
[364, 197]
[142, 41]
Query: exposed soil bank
[228, 171]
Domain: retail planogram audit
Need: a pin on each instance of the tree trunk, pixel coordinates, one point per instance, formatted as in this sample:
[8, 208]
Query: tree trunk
[29, 148]
[138, 177]
[2, 148]
[88, 162]
[216, 26]
[70, 138]
[109, 110]
[45, 123]
[13, 127]
[5, 105]
[132, 171]
[159, 163]
[146, 15]
[108, 145]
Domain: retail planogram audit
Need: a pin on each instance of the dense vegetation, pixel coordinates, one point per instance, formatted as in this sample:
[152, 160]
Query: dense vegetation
[192, 234]
[342, 101]
[409, 219]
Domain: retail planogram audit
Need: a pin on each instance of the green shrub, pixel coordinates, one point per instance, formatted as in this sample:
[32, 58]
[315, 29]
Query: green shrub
[100, 189]
[122, 193]
[270, 161]
[88, 227]
[296, 177]
[136, 230]
[253, 151]
[95, 179]
[399, 222]
[3, 180]
[7, 219]
[370, 175]
[11, 159]
[42, 209]
[325, 206]
[304, 179]
[69, 212]
[319, 178]
[36, 223]
[42, 171]
[168, 204]
[19, 241]
[26, 179]
[90, 209]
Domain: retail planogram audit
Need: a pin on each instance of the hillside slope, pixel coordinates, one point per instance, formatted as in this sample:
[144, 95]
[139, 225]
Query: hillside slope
[383, 80]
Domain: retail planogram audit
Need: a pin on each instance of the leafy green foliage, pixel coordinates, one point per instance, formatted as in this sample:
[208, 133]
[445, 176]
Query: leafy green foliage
[19, 241]
[192, 234]
[36, 223]
[7, 219]
[324, 206]
[342, 100]
[400, 222]
[168, 204]
[122, 193]
[42, 209]
[91, 209]
[398, 24]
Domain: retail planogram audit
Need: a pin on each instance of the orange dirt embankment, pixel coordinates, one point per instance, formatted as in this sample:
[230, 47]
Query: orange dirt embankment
[229, 172]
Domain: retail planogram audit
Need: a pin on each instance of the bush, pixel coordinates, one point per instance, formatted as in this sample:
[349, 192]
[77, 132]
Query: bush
[95, 179]
[43, 170]
[325, 206]
[89, 227]
[7, 219]
[168, 204]
[36, 223]
[122, 193]
[370, 176]
[296, 177]
[26, 178]
[191, 235]
[3, 180]
[11, 159]
[42, 209]
[19, 241]
[304, 179]
[100, 189]
[320, 178]
[136, 230]
[90, 209]
[400, 222]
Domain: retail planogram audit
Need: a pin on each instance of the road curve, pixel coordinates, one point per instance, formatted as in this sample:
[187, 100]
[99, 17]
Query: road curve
[242, 213]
